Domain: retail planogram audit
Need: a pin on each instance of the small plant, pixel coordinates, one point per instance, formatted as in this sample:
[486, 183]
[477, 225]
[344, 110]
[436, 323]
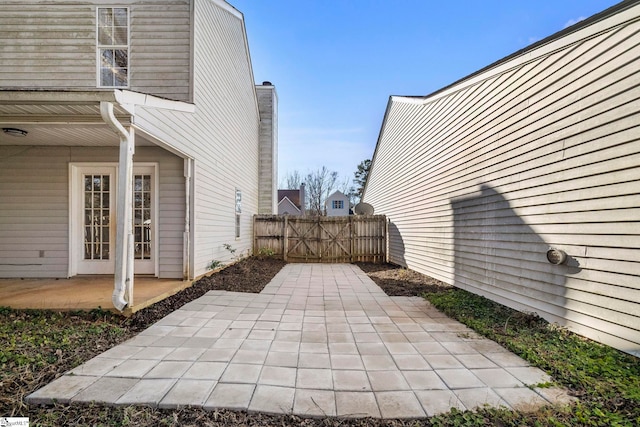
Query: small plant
[266, 253]
[214, 264]
[230, 248]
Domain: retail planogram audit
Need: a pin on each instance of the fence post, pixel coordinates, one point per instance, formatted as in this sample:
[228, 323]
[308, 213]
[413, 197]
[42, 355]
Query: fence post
[285, 238]
[351, 239]
[386, 240]
[255, 235]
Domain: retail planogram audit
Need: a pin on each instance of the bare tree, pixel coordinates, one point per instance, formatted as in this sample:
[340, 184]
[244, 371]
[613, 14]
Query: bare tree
[319, 185]
[291, 181]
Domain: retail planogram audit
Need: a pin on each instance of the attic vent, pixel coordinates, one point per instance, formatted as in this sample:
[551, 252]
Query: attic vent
[266, 83]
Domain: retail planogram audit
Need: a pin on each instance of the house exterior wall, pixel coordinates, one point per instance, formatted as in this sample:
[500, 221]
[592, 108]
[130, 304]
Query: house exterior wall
[52, 45]
[222, 136]
[268, 108]
[539, 151]
[34, 212]
[286, 207]
[337, 196]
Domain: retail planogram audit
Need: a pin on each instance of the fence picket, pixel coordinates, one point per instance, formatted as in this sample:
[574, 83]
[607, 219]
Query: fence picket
[361, 238]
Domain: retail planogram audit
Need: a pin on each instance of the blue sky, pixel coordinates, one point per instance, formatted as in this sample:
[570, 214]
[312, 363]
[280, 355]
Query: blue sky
[336, 62]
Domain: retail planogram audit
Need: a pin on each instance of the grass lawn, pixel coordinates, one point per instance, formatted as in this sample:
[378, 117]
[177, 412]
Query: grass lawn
[606, 381]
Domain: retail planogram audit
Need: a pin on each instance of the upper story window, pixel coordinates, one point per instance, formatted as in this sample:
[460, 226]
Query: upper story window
[113, 46]
[337, 204]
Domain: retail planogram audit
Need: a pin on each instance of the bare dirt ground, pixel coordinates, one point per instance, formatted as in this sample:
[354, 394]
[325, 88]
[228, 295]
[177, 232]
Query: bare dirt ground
[399, 281]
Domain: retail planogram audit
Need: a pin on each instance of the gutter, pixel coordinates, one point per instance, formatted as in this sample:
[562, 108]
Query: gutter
[123, 274]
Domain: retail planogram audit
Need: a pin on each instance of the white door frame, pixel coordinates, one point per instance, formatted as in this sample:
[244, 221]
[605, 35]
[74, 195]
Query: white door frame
[76, 239]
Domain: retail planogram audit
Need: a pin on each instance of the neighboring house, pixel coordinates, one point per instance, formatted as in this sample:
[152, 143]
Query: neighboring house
[539, 150]
[292, 202]
[337, 204]
[134, 139]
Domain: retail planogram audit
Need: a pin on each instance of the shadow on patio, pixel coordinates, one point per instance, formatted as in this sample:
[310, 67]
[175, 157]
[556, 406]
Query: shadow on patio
[83, 293]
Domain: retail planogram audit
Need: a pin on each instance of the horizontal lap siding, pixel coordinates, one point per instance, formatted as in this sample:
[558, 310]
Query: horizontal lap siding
[54, 46]
[161, 48]
[171, 204]
[222, 135]
[479, 182]
[34, 207]
[47, 45]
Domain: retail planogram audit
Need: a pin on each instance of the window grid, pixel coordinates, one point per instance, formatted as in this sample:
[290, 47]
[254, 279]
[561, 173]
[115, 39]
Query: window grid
[96, 217]
[142, 216]
[112, 40]
[337, 204]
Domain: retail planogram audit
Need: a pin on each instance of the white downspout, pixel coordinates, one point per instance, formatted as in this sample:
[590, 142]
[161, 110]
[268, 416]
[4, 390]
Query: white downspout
[186, 235]
[123, 274]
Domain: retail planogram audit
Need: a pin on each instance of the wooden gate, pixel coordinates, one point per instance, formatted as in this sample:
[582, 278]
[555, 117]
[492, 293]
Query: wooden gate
[359, 238]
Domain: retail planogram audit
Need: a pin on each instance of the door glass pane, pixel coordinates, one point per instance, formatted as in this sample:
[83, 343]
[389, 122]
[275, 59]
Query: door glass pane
[142, 216]
[96, 217]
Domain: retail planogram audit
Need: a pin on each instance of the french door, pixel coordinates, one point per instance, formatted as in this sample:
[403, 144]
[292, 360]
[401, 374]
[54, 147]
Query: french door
[93, 195]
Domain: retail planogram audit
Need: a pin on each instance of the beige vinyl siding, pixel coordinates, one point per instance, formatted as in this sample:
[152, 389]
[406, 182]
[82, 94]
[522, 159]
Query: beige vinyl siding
[221, 136]
[34, 208]
[480, 180]
[53, 45]
[161, 48]
[34, 205]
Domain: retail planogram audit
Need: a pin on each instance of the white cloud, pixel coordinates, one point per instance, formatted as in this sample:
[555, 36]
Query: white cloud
[573, 21]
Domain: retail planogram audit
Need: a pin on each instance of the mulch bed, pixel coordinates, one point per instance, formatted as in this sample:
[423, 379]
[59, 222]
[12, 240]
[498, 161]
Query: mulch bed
[399, 281]
[249, 275]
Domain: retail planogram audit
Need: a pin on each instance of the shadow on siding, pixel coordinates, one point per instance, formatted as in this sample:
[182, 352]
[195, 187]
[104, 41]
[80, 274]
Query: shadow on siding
[498, 255]
[396, 246]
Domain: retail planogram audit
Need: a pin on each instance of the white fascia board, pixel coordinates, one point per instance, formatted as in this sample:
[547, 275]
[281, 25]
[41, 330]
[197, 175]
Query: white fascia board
[128, 100]
[54, 97]
[227, 7]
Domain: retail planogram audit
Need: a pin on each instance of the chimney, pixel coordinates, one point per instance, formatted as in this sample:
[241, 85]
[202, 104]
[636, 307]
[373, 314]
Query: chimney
[268, 149]
[303, 201]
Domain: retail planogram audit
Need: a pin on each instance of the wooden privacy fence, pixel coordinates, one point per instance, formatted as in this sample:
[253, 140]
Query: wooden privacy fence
[356, 238]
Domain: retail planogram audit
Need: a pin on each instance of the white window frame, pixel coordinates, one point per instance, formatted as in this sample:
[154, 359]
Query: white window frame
[99, 47]
[238, 212]
[337, 204]
[75, 207]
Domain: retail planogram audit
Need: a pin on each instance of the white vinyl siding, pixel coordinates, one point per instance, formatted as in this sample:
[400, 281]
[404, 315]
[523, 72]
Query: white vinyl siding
[34, 213]
[221, 136]
[53, 45]
[34, 223]
[541, 151]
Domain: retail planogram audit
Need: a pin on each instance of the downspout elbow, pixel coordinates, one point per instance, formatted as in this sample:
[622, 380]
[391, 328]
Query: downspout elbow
[106, 111]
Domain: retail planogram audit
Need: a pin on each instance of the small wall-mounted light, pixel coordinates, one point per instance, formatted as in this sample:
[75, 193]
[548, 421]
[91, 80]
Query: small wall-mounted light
[556, 256]
[15, 132]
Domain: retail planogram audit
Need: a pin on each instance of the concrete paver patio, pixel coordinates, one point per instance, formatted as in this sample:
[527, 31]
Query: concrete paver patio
[319, 340]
